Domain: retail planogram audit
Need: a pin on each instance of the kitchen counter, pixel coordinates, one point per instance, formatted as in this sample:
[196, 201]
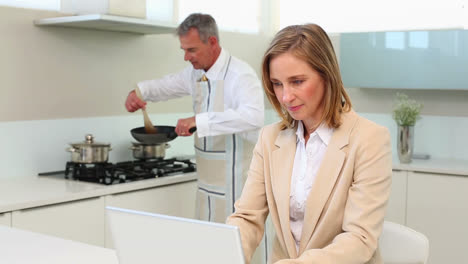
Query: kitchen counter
[22, 193]
[25, 247]
[442, 166]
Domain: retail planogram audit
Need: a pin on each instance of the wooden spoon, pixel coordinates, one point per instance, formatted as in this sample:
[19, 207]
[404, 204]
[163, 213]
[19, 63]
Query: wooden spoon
[149, 128]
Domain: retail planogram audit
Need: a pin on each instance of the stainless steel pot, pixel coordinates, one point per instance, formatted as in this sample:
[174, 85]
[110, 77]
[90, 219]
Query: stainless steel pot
[89, 151]
[149, 151]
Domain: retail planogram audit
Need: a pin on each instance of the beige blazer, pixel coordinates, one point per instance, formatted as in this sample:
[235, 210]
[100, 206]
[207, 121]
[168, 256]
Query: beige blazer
[346, 205]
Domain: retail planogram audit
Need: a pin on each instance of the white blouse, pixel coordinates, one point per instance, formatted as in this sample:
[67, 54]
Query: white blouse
[306, 164]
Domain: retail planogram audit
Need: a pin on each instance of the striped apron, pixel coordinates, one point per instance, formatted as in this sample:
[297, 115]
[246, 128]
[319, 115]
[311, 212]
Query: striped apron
[222, 161]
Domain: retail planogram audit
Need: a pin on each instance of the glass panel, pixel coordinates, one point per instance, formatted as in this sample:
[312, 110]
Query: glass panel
[410, 60]
[419, 39]
[395, 40]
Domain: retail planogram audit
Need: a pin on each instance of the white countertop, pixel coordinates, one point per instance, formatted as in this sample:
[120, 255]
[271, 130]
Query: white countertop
[22, 193]
[25, 247]
[443, 166]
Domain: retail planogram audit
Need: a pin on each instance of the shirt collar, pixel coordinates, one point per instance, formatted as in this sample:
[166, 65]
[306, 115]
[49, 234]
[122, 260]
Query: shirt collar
[323, 131]
[215, 71]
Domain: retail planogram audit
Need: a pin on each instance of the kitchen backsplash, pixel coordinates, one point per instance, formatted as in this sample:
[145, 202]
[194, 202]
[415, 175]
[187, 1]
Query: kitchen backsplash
[37, 146]
[441, 137]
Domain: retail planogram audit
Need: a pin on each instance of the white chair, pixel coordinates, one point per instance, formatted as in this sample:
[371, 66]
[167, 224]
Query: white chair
[402, 245]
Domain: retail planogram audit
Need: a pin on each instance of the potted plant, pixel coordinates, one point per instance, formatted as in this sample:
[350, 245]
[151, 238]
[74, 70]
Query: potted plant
[406, 112]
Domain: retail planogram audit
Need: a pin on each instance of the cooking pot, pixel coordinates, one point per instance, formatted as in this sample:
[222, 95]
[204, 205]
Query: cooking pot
[149, 151]
[89, 151]
[163, 134]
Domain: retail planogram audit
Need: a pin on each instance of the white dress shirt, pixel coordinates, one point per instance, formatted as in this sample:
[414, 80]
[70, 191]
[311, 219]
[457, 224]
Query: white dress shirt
[243, 96]
[306, 164]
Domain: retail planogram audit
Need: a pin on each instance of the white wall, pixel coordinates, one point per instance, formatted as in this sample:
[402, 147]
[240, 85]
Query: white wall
[67, 73]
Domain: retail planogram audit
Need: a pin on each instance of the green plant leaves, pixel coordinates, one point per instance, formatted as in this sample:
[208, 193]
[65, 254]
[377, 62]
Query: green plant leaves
[406, 111]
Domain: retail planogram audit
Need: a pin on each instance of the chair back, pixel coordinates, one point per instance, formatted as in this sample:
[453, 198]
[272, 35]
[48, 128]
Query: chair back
[402, 245]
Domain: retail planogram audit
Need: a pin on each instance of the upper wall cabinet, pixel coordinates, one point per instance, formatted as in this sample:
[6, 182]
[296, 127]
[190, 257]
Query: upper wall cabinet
[408, 60]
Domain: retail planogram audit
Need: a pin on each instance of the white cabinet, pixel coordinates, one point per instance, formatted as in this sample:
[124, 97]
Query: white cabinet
[396, 209]
[84, 220]
[81, 220]
[176, 200]
[5, 219]
[437, 206]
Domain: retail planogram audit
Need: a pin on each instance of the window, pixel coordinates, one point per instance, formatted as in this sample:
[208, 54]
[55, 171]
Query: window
[464, 4]
[337, 16]
[240, 15]
[161, 10]
[36, 4]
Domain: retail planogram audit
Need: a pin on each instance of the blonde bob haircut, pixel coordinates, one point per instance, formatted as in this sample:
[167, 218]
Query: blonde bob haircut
[311, 44]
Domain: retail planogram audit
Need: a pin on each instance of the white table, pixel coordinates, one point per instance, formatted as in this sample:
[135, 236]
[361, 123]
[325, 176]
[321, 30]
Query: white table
[24, 247]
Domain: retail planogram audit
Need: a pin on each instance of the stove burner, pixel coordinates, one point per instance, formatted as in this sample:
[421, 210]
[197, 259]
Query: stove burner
[120, 172]
[91, 172]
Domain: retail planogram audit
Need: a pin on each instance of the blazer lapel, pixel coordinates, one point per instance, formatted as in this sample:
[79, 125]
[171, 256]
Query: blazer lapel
[281, 171]
[326, 177]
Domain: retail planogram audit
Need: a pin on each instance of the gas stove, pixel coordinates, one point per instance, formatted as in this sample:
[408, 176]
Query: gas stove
[126, 171]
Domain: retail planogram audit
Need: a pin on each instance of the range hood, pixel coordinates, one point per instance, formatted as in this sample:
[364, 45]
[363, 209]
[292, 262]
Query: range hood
[109, 23]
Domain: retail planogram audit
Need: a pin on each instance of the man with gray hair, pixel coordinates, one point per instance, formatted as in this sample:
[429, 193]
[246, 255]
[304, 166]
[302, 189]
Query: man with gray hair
[228, 106]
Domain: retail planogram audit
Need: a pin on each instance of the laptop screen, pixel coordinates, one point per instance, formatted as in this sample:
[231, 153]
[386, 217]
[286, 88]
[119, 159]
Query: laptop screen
[141, 237]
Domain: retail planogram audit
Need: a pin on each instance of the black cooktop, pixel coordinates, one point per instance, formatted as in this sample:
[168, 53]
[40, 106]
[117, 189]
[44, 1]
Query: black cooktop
[126, 171]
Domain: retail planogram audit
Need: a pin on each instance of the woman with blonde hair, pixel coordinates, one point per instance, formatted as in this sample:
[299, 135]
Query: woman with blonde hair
[323, 173]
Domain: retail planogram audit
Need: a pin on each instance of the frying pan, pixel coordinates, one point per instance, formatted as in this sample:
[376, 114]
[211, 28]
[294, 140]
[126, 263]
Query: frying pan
[163, 134]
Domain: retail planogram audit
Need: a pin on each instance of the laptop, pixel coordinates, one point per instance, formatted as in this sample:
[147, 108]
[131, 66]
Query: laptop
[142, 237]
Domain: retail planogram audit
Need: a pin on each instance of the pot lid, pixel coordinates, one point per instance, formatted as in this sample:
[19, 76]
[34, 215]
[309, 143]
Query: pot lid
[89, 142]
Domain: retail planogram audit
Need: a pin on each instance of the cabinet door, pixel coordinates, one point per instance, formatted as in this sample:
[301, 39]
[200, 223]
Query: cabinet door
[438, 208]
[5, 219]
[81, 220]
[176, 200]
[396, 209]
